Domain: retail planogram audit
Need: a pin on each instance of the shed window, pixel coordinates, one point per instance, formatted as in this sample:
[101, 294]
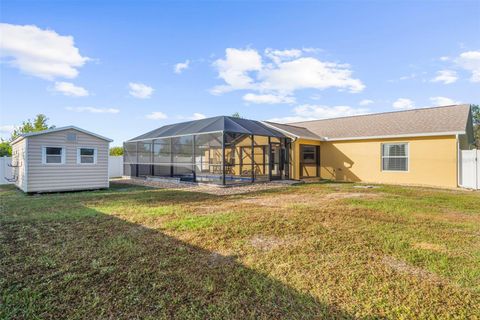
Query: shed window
[53, 155]
[87, 155]
[395, 157]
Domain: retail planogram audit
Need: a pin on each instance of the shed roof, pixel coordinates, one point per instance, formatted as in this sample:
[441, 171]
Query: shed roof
[453, 119]
[209, 125]
[37, 133]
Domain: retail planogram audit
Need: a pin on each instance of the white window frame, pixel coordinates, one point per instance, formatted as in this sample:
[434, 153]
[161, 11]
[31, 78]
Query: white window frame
[79, 158]
[407, 156]
[44, 155]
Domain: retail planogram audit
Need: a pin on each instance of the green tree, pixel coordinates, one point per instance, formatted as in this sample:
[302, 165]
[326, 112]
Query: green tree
[5, 148]
[116, 151]
[476, 123]
[236, 115]
[40, 123]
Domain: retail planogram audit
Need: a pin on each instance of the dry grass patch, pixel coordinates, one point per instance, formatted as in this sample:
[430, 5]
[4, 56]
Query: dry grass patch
[430, 246]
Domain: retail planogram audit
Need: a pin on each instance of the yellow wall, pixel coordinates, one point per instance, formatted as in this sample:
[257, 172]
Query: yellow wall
[432, 161]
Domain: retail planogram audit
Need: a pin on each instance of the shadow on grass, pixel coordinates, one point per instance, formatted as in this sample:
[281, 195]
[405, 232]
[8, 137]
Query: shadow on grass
[95, 265]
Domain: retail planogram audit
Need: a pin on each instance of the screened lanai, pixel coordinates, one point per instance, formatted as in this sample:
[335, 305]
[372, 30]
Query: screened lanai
[221, 150]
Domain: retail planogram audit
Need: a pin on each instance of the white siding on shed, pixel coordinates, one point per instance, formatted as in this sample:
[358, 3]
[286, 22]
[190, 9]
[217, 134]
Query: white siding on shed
[70, 175]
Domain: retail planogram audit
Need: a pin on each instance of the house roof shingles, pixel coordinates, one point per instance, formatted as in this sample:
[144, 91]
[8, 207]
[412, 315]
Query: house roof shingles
[437, 120]
[297, 131]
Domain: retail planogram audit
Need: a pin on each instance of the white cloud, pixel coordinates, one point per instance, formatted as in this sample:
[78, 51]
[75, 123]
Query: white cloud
[92, 110]
[69, 89]
[245, 70]
[443, 101]
[235, 68]
[157, 115]
[267, 98]
[278, 56]
[198, 116]
[366, 102]
[308, 73]
[194, 116]
[181, 66]
[446, 76]
[470, 61]
[409, 77]
[38, 52]
[7, 128]
[444, 58]
[140, 90]
[314, 112]
[403, 104]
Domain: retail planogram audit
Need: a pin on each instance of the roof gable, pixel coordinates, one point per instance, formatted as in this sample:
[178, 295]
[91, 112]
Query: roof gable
[37, 133]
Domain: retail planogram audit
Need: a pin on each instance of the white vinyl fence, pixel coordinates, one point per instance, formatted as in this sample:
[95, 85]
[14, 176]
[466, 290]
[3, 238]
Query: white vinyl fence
[470, 169]
[5, 170]
[115, 168]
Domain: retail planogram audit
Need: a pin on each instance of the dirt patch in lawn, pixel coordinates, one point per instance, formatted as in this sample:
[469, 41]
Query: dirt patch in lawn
[276, 200]
[284, 200]
[406, 268]
[267, 243]
[351, 195]
[430, 246]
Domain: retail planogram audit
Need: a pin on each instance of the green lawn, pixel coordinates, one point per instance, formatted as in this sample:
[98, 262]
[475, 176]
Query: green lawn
[301, 252]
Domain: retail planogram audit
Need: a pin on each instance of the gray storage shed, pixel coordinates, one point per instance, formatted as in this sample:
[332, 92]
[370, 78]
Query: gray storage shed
[60, 159]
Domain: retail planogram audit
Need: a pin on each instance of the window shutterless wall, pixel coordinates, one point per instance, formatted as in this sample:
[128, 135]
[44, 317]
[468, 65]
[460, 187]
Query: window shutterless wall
[431, 161]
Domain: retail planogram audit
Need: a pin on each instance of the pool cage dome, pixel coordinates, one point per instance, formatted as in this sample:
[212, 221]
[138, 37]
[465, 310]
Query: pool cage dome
[220, 150]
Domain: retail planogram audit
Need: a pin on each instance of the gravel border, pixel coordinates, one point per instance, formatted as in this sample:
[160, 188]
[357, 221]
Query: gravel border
[217, 190]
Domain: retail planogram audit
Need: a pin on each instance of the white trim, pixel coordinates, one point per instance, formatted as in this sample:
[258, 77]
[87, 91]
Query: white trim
[176, 136]
[410, 135]
[26, 162]
[62, 156]
[30, 134]
[459, 159]
[79, 158]
[405, 157]
[108, 164]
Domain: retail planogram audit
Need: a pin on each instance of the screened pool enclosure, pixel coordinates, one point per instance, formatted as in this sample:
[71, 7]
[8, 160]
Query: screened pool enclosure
[221, 150]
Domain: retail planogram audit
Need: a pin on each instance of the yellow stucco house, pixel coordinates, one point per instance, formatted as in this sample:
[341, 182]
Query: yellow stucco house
[417, 147]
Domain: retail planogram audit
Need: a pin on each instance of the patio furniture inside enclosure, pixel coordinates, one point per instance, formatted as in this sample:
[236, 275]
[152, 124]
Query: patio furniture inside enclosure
[221, 150]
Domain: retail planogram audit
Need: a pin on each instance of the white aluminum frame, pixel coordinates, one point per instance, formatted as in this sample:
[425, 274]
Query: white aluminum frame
[62, 156]
[407, 156]
[79, 157]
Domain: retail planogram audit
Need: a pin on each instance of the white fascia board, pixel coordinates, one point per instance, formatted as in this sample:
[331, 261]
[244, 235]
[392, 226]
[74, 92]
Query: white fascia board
[410, 135]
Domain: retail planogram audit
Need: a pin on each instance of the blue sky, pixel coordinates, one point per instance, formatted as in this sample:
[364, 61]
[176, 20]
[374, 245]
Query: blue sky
[123, 68]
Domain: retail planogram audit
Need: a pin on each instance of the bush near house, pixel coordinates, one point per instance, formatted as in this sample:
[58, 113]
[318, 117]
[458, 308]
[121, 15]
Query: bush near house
[116, 151]
[301, 252]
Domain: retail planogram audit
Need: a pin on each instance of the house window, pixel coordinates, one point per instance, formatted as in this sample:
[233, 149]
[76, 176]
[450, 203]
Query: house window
[87, 156]
[395, 157]
[53, 155]
[309, 154]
